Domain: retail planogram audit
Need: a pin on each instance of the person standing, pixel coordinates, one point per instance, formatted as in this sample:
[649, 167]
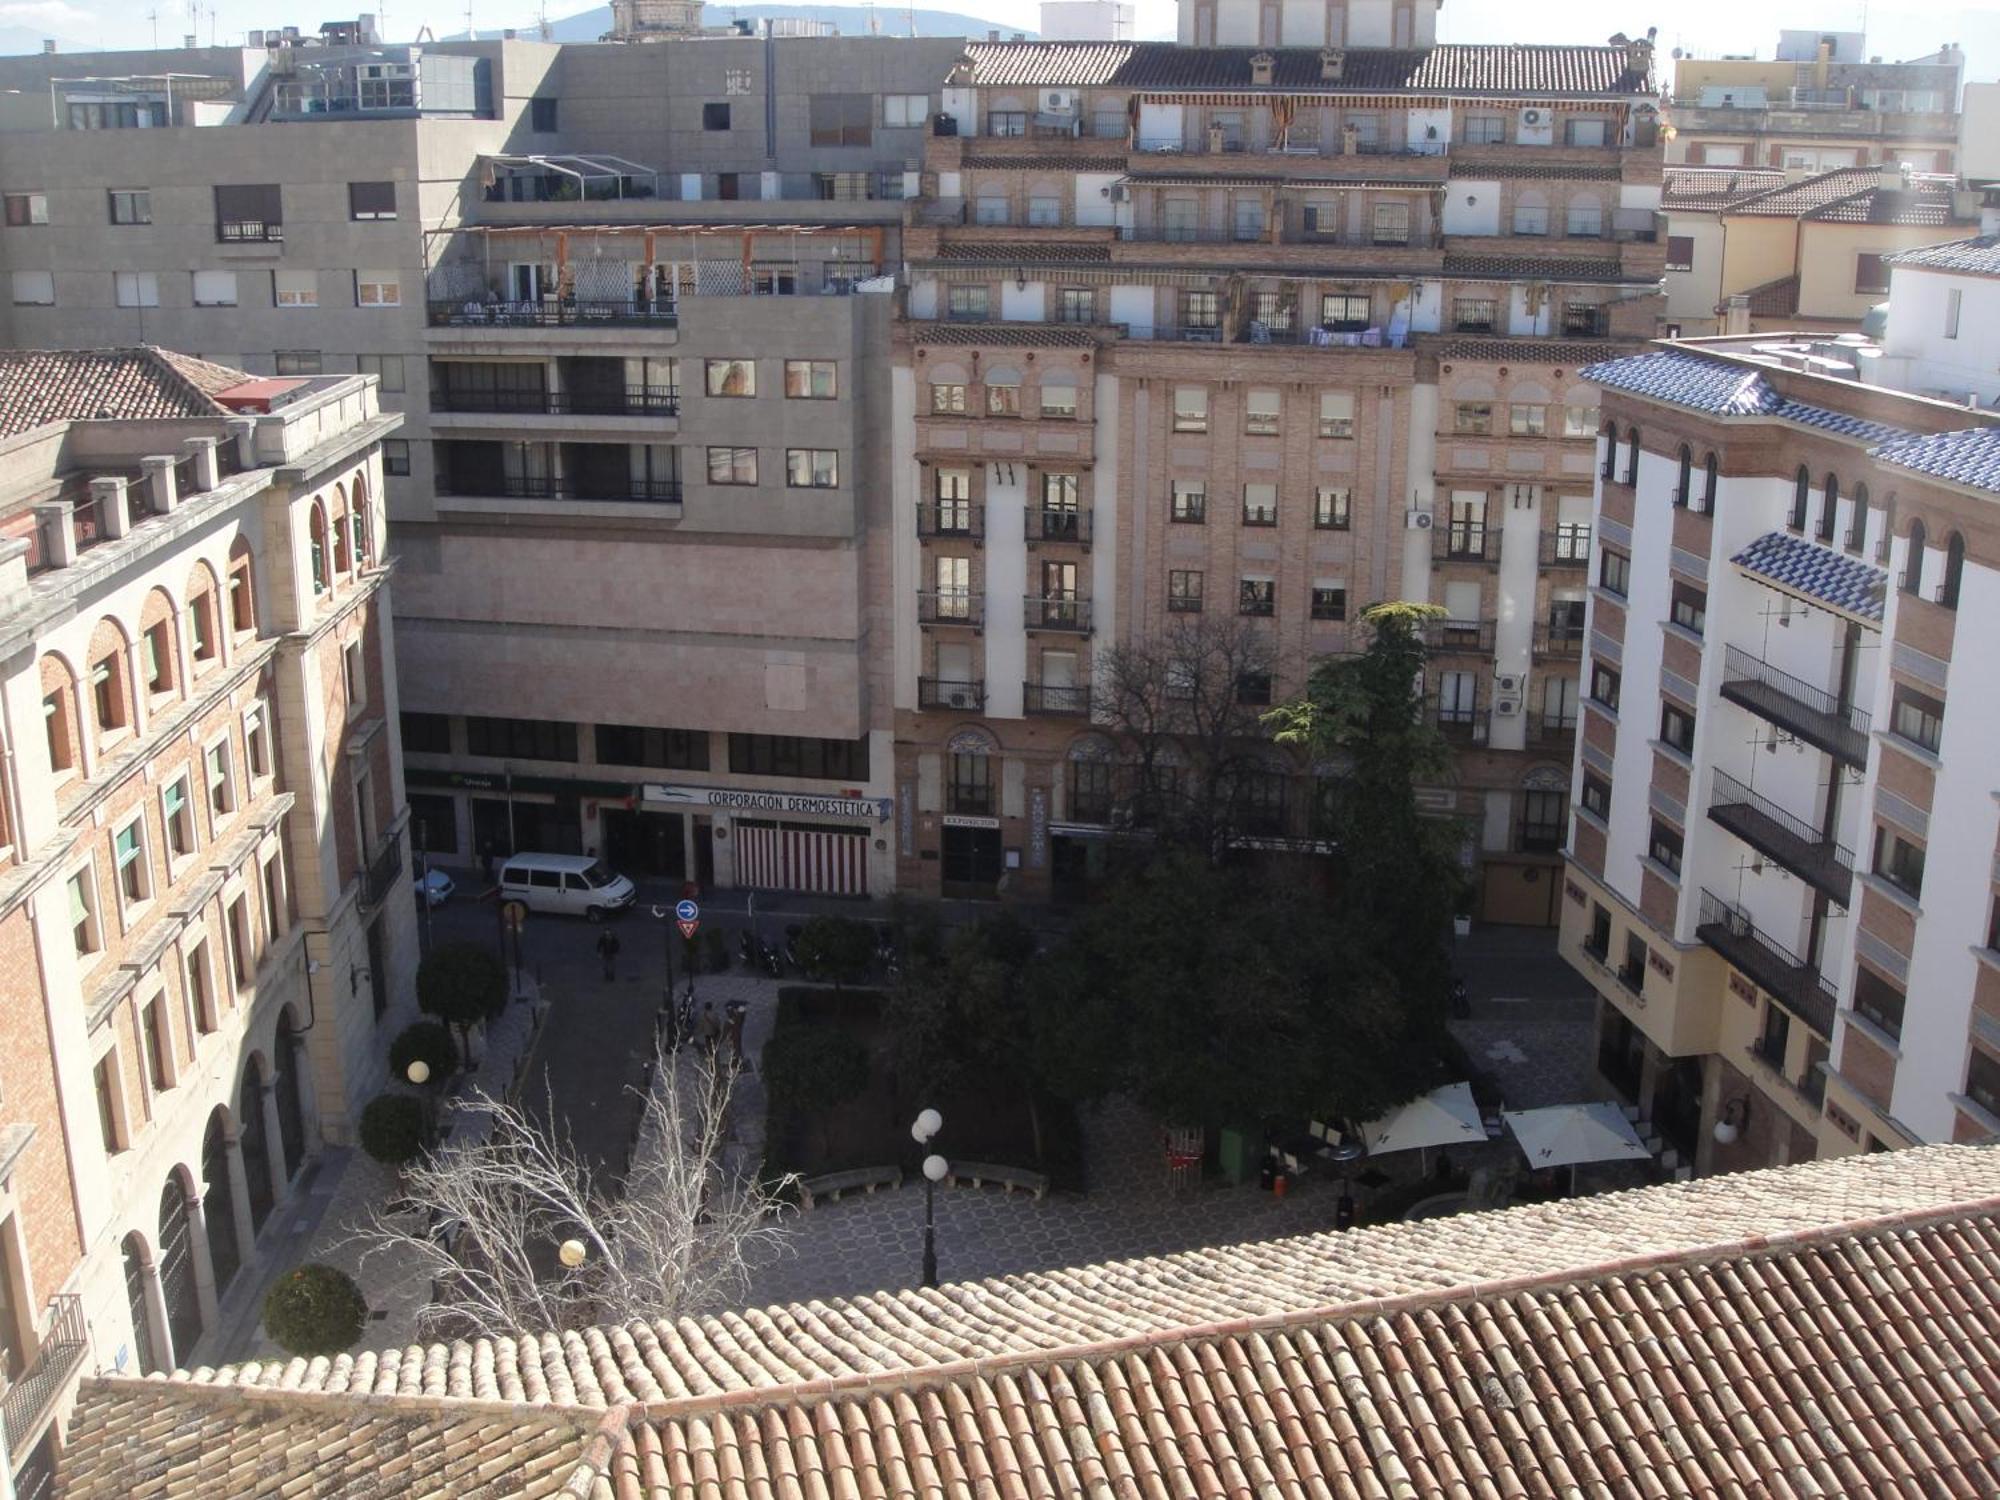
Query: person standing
[708, 1029]
[607, 949]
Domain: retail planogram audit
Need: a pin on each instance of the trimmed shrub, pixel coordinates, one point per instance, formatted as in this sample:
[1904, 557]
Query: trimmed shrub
[392, 1128]
[427, 1040]
[715, 950]
[462, 984]
[315, 1310]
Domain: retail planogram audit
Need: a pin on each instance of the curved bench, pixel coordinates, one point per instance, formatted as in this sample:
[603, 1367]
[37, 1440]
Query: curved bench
[833, 1184]
[980, 1173]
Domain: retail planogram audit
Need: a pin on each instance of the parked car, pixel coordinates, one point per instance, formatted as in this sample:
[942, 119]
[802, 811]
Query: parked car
[565, 884]
[435, 888]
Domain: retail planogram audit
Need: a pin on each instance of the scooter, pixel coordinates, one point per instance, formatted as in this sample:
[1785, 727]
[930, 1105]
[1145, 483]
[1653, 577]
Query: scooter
[772, 960]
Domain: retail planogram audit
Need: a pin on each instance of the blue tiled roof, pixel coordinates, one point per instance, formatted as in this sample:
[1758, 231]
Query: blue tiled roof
[1969, 457]
[1725, 390]
[1844, 583]
[1978, 256]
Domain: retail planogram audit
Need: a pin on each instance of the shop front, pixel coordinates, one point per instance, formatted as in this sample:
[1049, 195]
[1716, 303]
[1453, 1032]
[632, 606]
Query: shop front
[806, 843]
[471, 815]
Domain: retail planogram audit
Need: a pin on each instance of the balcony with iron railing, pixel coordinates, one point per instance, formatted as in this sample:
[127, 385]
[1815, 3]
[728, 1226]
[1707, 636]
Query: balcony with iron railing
[938, 692]
[1796, 706]
[1821, 862]
[1047, 698]
[1769, 964]
[1058, 526]
[951, 607]
[30, 1400]
[1056, 612]
[632, 401]
[543, 487]
[1558, 639]
[249, 232]
[384, 869]
[1567, 546]
[971, 797]
[951, 519]
[1459, 637]
[550, 312]
[1551, 731]
[1465, 725]
[1465, 541]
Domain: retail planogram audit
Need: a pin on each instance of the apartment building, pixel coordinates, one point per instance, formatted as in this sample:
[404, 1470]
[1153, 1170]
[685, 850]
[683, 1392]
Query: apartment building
[1819, 103]
[629, 303]
[1751, 249]
[204, 912]
[1264, 333]
[1782, 866]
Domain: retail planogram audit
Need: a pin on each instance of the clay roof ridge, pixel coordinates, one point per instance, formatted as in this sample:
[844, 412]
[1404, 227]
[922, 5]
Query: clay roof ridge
[915, 1378]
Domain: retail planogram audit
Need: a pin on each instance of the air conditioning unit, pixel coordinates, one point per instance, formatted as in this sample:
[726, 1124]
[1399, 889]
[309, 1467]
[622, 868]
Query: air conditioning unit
[1507, 682]
[1418, 520]
[1506, 708]
[1531, 117]
[963, 698]
[1057, 101]
[1119, 192]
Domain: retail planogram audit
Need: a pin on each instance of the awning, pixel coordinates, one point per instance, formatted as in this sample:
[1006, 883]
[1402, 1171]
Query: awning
[1444, 1117]
[1566, 1135]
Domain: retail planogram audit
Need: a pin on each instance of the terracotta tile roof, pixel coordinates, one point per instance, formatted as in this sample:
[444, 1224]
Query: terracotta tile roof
[1821, 1330]
[1792, 199]
[1053, 162]
[38, 386]
[1004, 335]
[1698, 188]
[1925, 204]
[1534, 268]
[1525, 71]
[1015, 252]
[1571, 354]
[1511, 169]
[1775, 299]
[1979, 256]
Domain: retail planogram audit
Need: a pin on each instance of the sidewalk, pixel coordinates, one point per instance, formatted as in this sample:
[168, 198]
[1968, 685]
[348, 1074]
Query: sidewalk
[335, 1196]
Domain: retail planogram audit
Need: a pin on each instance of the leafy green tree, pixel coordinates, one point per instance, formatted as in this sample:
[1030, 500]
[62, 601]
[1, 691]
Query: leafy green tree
[810, 1070]
[836, 949]
[1397, 870]
[315, 1310]
[462, 984]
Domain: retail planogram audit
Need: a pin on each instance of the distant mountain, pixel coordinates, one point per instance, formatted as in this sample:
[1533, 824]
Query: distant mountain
[852, 20]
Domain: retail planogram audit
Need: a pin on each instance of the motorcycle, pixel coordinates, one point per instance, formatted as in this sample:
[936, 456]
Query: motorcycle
[773, 961]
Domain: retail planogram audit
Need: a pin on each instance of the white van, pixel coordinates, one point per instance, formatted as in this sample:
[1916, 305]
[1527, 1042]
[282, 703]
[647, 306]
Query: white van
[569, 884]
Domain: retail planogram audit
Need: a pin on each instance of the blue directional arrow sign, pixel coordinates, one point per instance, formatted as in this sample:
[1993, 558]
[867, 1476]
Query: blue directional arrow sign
[687, 911]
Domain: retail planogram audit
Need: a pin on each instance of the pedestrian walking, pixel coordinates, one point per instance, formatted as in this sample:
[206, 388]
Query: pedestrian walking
[708, 1028]
[734, 1012]
[607, 949]
[486, 861]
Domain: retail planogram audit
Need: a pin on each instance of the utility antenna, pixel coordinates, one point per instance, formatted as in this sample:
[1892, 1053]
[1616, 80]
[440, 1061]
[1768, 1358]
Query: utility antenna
[153, 15]
[470, 34]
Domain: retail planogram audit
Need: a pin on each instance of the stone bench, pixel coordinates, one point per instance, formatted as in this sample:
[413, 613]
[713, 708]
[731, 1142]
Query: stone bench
[1012, 1179]
[833, 1184]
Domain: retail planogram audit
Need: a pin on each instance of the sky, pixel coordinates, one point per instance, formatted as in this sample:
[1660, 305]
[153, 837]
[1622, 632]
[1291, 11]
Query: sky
[1708, 28]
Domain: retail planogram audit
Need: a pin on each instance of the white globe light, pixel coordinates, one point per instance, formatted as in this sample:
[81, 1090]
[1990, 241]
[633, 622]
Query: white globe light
[928, 1124]
[418, 1071]
[572, 1253]
[936, 1168]
[1725, 1133]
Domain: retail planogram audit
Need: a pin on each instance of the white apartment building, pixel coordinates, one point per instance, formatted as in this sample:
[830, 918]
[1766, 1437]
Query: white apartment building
[206, 926]
[1782, 877]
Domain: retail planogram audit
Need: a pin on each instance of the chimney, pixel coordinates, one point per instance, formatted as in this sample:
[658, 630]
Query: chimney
[1332, 63]
[1261, 67]
[993, 36]
[48, 47]
[1989, 216]
[1639, 52]
[1797, 174]
[1736, 316]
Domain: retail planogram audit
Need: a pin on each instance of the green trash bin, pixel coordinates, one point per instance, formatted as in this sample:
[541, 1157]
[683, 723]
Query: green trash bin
[1238, 1156]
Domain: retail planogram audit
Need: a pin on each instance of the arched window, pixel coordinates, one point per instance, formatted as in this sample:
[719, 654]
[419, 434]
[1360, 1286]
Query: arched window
[1632, 455]
[1887, 536]
[1709, 476]
[1857, 526]
[1829, 506]
[1610, 470]
[1954, 567]
[316, 529]
[1801, 497]
[1684, 483]
[1913, 560]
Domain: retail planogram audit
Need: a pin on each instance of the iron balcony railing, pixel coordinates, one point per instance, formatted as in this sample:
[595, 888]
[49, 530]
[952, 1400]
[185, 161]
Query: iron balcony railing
[633, 401]
[249, 232]
[523, 487]
[1463, 723]
[1467, 540]
[1770, 965]
[29, 1400]
[382, 872]
[951, 607]
[938, 692]
[1813, 714]
[1059, 526]
[959, 518]
[1040, 698]
[1566, 547]
[1823, 863]
[547, 312]
[1558, 640]
[1056, 612]
[1459, 637]
[969, 797]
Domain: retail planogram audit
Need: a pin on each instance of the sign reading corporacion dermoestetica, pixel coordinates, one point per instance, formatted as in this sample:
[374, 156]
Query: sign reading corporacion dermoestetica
[797, 804]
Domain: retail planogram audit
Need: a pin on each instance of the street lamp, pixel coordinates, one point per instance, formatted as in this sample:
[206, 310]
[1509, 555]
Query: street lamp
[419, 1073]
[572, 1253]
[923, 1130]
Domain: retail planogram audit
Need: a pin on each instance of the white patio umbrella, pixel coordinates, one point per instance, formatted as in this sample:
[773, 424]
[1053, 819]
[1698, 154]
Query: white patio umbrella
[1444, 1117]
[1565, 1134]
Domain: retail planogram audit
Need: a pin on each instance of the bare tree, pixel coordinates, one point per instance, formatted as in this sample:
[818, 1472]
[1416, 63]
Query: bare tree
[1188, 705]
[484, 1221]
